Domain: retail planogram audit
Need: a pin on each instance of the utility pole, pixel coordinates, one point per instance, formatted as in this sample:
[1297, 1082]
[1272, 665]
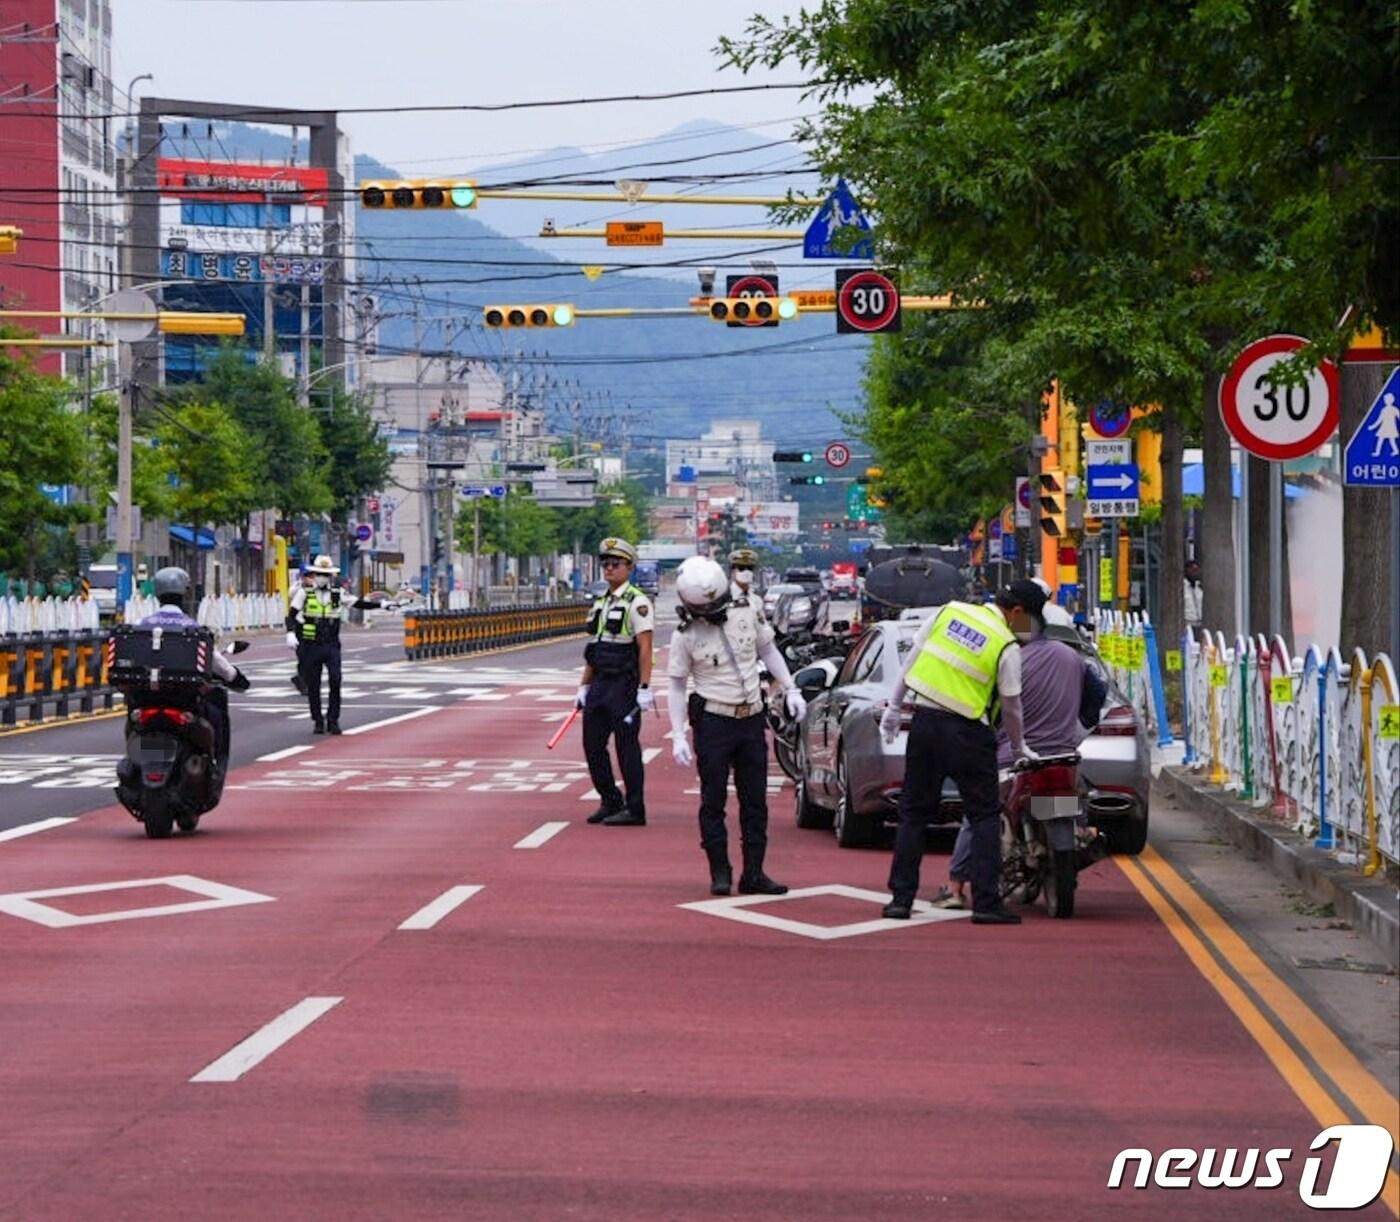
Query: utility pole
[269, 308]
[304, 363]
[125, 569]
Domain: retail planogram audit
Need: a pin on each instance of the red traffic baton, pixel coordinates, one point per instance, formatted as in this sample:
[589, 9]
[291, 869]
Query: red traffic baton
[559, 733]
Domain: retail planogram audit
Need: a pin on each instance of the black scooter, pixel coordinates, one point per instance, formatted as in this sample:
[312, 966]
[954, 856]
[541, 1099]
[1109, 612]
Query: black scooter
[176, 759]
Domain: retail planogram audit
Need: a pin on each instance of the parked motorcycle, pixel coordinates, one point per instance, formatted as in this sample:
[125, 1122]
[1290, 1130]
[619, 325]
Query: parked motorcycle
[1045, 842]
[177, 724]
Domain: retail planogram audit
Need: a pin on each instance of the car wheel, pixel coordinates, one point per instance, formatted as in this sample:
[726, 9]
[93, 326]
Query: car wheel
[809, 814]
[785, 753]
[853, 829]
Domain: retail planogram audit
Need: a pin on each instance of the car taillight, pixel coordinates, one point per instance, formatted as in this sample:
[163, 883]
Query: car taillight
[179, 716]
[1117, 722]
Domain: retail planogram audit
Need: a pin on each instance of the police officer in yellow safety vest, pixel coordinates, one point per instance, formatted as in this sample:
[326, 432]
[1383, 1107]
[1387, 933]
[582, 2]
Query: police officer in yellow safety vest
[615, 689]
[963, 663]
[314, 616]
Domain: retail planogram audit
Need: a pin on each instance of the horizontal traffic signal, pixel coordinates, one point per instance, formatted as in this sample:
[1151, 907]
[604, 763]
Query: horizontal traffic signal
[753, 310]
[545, 315]
[418, 193]
[806, 479]
[792, 455]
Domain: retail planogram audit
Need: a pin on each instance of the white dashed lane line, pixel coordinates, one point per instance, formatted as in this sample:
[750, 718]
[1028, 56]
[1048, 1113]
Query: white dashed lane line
[242, 1057]
[541, 834]
[42, 825]
[389, 721]
[285, 753]
[430, 914]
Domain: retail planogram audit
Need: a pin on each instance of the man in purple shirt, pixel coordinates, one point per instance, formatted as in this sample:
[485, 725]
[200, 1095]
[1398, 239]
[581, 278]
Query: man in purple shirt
[1052, 686]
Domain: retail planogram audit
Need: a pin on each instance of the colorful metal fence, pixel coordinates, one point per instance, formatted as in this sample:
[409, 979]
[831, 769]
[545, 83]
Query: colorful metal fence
[1314, 739]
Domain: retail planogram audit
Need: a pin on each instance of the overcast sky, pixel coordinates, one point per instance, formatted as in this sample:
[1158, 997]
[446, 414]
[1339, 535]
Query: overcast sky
[335, 54]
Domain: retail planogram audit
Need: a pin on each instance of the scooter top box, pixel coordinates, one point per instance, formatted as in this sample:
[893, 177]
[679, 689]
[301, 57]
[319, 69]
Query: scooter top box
[142, 657]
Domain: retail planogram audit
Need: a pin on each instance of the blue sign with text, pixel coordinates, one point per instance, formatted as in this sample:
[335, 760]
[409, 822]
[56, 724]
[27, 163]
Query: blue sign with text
[839, 212]
[1372, 457]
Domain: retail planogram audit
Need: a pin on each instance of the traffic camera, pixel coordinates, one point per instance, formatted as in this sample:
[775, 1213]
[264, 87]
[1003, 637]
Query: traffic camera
[547, 315]
[418, 193]
[1052, 502]
[753, 310]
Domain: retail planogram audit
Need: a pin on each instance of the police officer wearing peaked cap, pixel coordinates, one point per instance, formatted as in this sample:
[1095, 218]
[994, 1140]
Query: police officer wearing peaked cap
[615, 689]
[314, 616]
[743, 564]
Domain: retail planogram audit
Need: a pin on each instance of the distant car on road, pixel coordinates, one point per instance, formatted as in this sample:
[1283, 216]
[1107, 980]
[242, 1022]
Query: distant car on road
[849, 778]
[844, 580]
[647, 578]
[102, 582]
[809, 579]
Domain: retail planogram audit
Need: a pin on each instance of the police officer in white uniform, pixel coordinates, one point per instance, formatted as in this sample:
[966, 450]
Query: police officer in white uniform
[615, 690]
[743, 564]
[716, 650]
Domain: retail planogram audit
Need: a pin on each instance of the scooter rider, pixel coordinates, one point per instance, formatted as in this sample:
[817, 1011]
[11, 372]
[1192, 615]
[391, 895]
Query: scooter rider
[717, 648]
[172, 587]
[615, 689]
[314, 617]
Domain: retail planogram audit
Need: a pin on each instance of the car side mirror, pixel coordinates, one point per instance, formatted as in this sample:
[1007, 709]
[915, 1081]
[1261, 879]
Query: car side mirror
[237, 647]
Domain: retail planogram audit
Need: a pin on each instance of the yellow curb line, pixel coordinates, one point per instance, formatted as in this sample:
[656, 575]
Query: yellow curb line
[1370, 1098]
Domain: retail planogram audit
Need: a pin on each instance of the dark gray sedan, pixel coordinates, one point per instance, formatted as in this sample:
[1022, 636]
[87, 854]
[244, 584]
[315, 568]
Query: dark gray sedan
[849, 778]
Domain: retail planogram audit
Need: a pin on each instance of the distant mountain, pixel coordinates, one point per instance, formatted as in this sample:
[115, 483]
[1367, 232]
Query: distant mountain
[677, 374]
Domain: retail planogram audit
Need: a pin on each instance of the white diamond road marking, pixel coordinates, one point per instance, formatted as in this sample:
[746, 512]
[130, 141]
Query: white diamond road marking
[743, 908]
[26, 905]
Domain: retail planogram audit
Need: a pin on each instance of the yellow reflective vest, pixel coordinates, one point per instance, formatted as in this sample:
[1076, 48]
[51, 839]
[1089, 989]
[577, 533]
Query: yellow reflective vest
[957, 666]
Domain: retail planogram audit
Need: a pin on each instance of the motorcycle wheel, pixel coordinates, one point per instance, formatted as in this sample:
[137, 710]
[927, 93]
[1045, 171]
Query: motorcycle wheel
[786, 755]
[1060, 882]
[156, 815]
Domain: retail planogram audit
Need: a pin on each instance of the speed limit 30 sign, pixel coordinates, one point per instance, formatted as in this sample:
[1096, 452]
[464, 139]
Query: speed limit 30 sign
[1276, 421]
[866, 302]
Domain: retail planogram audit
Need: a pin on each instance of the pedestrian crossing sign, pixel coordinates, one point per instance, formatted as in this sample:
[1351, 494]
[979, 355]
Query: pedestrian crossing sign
[1372, 457]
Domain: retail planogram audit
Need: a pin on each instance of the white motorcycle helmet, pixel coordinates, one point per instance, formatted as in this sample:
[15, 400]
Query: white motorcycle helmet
[702, 586]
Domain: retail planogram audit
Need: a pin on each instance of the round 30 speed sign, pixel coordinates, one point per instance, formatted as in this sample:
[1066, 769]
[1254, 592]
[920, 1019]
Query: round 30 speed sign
[1279, 422]
[866, 302]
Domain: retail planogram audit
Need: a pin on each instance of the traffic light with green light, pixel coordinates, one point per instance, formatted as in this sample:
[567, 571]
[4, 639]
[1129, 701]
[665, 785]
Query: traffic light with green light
[806, 479]
[792, 455]
[547, 315]
[1052, 502]
[418, 193]
[753, 310]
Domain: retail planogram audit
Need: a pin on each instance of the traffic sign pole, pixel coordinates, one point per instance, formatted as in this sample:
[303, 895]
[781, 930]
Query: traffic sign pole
[1276, 552]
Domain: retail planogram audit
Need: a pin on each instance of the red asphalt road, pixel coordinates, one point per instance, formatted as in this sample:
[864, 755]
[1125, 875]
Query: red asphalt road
[570, 1042]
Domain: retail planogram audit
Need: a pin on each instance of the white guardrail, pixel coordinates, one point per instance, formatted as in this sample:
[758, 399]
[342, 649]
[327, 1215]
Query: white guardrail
[226, 613]
[1315, 739]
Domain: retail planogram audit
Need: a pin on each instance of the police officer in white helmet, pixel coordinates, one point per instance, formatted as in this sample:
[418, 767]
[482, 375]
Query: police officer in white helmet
[716, 649]
[314, 616]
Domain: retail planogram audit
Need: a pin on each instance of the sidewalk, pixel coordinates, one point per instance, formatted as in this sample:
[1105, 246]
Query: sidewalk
[1369, 905]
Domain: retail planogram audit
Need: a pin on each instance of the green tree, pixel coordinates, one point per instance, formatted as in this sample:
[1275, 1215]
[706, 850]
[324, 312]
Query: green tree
[620, 511]
[210, 458]
[1127, 191]
[41, 443]
[515, 525]
[359, 457]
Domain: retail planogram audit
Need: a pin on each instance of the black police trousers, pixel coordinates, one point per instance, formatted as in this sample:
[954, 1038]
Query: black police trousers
[739, 744]
[611, 699]
[311, 657]
[945, 745]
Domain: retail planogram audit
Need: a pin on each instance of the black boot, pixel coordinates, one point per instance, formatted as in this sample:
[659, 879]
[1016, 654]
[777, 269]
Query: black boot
[318, 727]
[602, 813]
[626, 818]
[721, 874]
[760, 884]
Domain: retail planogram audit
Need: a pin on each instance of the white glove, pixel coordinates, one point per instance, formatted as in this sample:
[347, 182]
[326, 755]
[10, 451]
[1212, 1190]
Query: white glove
[796, 706]
[645, 700]
[582, 698]
[681, 752]
[291, 640]
[889, 722]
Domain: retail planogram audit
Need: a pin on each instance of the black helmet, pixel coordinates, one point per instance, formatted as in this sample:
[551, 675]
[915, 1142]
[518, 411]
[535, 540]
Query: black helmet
[172, 585]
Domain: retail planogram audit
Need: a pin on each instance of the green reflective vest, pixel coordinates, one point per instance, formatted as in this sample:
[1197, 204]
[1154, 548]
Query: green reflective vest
[598, 619]
[957, 666]
[316, 610]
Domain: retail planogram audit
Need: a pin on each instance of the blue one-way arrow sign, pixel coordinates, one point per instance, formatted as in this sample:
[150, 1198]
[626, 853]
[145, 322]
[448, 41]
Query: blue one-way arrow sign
[1372, 457]
[1112, 490]
[839, 212]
